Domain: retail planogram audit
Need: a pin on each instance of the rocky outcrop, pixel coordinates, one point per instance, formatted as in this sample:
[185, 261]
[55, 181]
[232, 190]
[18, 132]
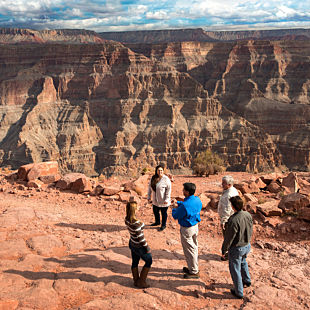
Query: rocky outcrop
[266, 82]
[200, 35]
[17, 35]
[104, 108]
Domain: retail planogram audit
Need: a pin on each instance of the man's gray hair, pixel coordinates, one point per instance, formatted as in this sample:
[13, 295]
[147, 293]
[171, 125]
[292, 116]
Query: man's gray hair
[228, 179]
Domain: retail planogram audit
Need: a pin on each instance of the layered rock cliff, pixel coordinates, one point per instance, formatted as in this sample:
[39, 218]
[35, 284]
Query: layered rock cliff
[200, 35]
[266, 82]
[104, 107]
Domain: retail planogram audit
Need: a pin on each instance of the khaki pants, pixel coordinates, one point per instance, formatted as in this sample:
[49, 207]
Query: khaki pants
[190, 246]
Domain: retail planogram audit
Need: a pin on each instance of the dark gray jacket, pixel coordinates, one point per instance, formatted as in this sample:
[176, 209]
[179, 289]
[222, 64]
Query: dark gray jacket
[238, 231]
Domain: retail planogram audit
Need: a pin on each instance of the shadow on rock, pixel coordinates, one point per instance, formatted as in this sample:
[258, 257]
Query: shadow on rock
[121, 280]
[90, 261]
[208, 257]
[93, 227]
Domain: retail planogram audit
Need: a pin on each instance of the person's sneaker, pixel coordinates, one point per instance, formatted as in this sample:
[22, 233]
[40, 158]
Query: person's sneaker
[161, 228]
[186, 270]
[155, 224]
[234, 293]
[191, 275]
[246, 284]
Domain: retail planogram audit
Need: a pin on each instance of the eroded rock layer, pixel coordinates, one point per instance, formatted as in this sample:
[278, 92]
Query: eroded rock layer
[104, 107]
[266, 82]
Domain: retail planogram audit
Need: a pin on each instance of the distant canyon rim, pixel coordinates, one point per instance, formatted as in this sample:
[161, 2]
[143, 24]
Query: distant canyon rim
[119, 102]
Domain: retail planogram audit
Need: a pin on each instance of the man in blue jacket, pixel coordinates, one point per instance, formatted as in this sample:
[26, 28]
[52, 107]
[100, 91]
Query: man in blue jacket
[187, 213]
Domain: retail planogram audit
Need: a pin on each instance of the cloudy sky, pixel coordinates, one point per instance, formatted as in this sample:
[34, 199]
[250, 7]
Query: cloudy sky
[126, 15]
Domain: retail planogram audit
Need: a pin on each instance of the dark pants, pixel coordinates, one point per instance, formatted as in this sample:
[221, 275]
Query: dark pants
[137, 253]
[163, 215]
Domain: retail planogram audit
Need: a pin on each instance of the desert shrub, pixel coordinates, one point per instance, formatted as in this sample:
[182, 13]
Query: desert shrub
[207, 163]
[145, 170]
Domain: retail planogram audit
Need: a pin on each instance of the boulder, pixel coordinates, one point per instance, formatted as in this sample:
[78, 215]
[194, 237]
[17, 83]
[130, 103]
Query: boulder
[260, 183]
[294, 202]
[42, 169]
[270, 208]
[214, 200]
[204, 199]
[304, 186]
[97, 190]
[140, 185]
[274, 187]
[12, 176]
[304, 213]
[253, 187]
[49, 179]
[23, 171]
[251, 207]
[268, 178]
[243, 187]
[250, 197]
[81, 185]
[67, 180]
[110, 191]
[291, 182]
[35, 184]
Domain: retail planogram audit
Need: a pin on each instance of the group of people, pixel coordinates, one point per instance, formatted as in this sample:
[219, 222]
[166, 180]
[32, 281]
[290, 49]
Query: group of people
[236, 224]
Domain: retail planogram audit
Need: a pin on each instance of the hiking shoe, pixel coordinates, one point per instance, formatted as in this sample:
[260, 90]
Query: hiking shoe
[185, 270]
[161, 228]
[191, 275]
[235, 294]
[246, 284]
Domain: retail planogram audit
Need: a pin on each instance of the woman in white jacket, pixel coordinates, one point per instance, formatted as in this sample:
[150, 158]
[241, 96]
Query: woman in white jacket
[159, 194]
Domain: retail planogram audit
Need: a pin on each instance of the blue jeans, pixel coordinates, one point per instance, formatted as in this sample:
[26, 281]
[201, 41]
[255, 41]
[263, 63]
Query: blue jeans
[137, 253]
[238, 267]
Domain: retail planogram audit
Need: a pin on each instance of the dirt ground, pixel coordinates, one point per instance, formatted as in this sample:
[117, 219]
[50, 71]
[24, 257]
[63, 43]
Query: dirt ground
[61, 250]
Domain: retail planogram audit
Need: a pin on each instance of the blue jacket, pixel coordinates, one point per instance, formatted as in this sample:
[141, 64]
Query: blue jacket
[188, 211]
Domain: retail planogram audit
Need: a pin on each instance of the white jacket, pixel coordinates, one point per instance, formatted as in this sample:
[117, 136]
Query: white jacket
[163, 192]
[224, 208]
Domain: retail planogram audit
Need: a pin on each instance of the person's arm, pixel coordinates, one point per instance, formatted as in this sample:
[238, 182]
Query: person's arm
[179, 212]
[230, 234]
[226, 210]
[168, 192]
[149, 192]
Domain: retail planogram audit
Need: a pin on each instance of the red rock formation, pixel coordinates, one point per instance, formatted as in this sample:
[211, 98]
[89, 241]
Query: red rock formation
[266, 82]
[104, 107]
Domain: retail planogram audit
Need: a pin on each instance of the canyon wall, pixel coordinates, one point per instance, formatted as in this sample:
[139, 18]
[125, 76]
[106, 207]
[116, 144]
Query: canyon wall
[105, 108]
[266, 82]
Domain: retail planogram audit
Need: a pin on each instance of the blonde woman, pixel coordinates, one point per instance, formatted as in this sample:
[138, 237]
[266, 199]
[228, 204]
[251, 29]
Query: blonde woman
[138, 245]
[159, 194]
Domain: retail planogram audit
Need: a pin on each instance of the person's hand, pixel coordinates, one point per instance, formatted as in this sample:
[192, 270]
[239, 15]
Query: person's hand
[148, 249]
[174, 203]
[149, 200]
[223, 226]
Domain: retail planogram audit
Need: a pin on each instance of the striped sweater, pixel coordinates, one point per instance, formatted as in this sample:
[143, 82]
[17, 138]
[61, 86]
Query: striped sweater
[136, 234]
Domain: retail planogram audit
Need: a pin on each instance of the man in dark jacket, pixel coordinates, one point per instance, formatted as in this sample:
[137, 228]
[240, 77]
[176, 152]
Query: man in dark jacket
[237, 238]
[187, 213]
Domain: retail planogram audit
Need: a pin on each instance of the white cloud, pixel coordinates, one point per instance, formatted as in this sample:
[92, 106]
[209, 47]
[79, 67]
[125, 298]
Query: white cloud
[76, 12]
[157, 15]
[152, 14]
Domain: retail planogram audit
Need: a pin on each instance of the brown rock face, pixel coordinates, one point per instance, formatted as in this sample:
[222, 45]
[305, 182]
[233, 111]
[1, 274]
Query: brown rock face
[103, 108]
[264, 81]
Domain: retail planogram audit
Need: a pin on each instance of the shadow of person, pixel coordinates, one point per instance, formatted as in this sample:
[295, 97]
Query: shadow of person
[225, 295]
[90, 261]
[209, 257]
[93, 227]
[125, 281]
